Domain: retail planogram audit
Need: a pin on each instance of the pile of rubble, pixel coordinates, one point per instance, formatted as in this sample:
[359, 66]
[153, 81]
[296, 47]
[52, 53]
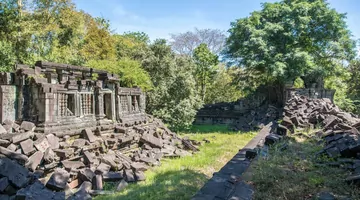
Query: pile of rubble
[256, 118]
[38, 166]
[339, 130]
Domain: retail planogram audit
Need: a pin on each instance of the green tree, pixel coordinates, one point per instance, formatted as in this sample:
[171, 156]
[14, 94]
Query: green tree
[205, 67]
[222, 87]
[130, 72]
[174, 97]
[289, 39]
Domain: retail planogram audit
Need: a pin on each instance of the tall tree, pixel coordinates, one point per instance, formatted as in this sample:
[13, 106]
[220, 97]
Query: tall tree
[289, 39]
[205, 63]
[185, 43]
[174, 97]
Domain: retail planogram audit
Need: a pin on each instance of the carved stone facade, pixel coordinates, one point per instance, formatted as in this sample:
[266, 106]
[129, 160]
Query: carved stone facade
[65, 99]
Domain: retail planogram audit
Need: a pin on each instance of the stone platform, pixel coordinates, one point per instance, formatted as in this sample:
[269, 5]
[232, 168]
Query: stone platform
[227, 183]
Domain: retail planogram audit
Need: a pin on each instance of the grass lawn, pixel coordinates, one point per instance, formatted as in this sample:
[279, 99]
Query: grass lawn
[181, 178]
[295, 173]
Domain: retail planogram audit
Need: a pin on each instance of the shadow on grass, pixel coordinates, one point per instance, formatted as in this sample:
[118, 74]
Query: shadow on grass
[174, 185]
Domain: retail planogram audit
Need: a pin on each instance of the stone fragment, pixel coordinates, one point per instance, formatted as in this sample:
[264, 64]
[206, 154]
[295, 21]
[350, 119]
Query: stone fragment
[140, 176]
[89, 157]
[272, 139]
[112, 176]
[53, 141]
[121, 186]
[64, 153]
[27, 126]
[74, 183]
[27, 146]
[41, 144]
[86, 175]
[3, 130]
[137, 166]
[4, 143]
[251, 154]
[83, 192]
[98, 183]
[89, 135]
[34, 160]
[72, 164]
[148, 160]
[103, 168]
[22, 136]
[49, 156]
[14, 155]
[129, 175]
[325, 196]
[58, 180]
[4, 183]
[16, 174]
[79, 143]
[151, 140]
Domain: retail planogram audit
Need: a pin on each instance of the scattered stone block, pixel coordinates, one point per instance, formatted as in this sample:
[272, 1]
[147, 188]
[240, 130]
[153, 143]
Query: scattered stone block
[129, 175]
[14, 155]
[86, 174]
[58, 180]
[4, 183]
[89, 157]
[22, 137]
[89, 135]
[251, 154]
[112, 176]
[53, 141]
[16, 174]
[41, 144]
[4, 143]
[140, 176]
[121, 186]
[27, 126]
[72, 164]
[151, 140]
[98, 183]
[272, 139]
[137, 166]
[27, 146]
[34, 160]
[49, 156]
[3, 130]
[103, 168]
[74, 183]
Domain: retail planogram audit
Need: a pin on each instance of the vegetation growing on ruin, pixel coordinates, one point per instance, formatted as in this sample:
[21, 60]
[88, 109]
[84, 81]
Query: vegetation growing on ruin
[296, 173]
[181, 178]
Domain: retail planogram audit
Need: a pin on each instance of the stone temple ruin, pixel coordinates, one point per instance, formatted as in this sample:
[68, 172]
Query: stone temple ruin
[256, 110]
[65, 99]
[67, 129]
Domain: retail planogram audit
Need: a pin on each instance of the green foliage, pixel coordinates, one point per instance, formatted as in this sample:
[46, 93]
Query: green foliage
[291, 39]
[205, 67]
[129, 71]
[298, 83]
[222, 87]
[7, 57]
[174, 98]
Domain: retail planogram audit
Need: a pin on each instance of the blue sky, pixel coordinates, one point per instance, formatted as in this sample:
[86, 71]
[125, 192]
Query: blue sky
[159, 18]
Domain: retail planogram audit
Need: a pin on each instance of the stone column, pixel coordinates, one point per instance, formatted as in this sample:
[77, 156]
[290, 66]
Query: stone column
[8, 102]
[49, 111]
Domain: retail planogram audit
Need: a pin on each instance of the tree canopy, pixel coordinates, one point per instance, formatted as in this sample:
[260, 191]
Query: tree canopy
[289, 39]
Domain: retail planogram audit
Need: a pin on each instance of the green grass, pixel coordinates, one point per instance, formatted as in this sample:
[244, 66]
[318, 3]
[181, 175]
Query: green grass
[295, 173]
[181, 178]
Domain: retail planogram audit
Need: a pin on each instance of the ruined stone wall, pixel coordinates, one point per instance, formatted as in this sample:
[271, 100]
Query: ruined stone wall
[65, 99]
[314, 93]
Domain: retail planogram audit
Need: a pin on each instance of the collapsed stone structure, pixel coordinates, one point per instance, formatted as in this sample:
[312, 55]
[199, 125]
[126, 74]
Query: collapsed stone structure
[339, 131]
[254, 110]
[64, 99]
[67, 129]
